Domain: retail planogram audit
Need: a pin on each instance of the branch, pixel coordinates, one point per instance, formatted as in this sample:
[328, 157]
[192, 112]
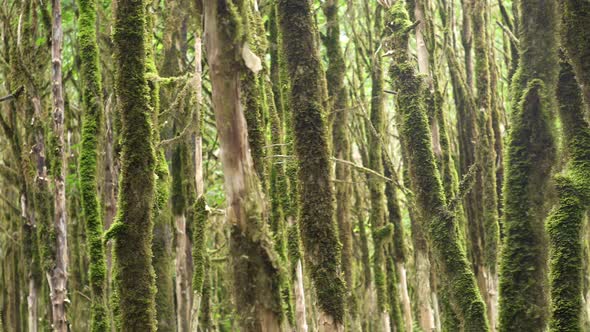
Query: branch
[13, 95]
[509, 33]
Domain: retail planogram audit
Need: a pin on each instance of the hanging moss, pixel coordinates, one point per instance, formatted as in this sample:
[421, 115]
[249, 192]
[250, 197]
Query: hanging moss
[425, 179]
[91, 124]
[135, 280]
[316, 214]
[565, 224]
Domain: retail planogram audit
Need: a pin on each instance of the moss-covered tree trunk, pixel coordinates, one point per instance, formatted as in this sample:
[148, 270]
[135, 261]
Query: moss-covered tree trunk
[485, 261]
[380, 231]
[91, 129]
[529, 160]
[255, 263]
[576, 39]
[198, 285]
[316, 197]
[565, 224]
[132, 231]
[341, 147]
[425, 179]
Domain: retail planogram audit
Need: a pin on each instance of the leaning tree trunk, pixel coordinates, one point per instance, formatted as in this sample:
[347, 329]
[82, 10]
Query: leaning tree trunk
[255, 264]
[425, 179]
[316, 197]
[91, 124]
[529, 158]
[135, 283]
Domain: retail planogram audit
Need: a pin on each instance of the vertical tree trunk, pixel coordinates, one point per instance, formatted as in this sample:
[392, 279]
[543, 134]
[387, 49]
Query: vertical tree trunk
[486, 161]
[339, 114]
[91, 124]
[199, 231]
[316, 214]
[529, 159]
[255, 272]
[58, 273]
[132, 231]
[565, 224]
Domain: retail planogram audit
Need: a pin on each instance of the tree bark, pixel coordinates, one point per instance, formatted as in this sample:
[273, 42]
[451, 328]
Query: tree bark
[134, 277]
[256, 277]
[58, 274]
[316, 196]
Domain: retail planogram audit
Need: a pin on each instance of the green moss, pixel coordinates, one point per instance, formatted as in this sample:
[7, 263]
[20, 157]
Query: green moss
[425, 179]
[91, 123]
[316, 213]
[565, 224]
[162, 249]
[253, 96]
[575, 32]
[523, 257]
[199, 248]
[135, 279]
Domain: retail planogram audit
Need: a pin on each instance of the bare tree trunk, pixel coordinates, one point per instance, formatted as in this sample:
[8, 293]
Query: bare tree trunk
[300, 314]
[256, 277]
[58, 275]
[198, 140]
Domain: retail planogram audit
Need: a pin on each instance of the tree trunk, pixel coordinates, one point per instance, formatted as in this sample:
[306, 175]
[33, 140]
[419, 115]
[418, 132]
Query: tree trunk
[425, 179]
[316, 197]
[58, 273]
[529, 159]
[256, 277]
[565, 224]
[92, 121]
[575, 33]
[132, 231]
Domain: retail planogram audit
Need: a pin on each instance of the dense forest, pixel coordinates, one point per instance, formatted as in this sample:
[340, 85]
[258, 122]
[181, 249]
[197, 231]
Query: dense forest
[295, 165]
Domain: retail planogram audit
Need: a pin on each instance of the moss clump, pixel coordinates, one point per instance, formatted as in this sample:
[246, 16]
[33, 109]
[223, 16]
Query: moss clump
[135, 279]
[316, 199]
[425, 179]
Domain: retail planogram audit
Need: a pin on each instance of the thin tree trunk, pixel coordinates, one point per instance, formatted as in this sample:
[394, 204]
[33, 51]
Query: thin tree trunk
[58, 274]
[575, 34]
[92, 120]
